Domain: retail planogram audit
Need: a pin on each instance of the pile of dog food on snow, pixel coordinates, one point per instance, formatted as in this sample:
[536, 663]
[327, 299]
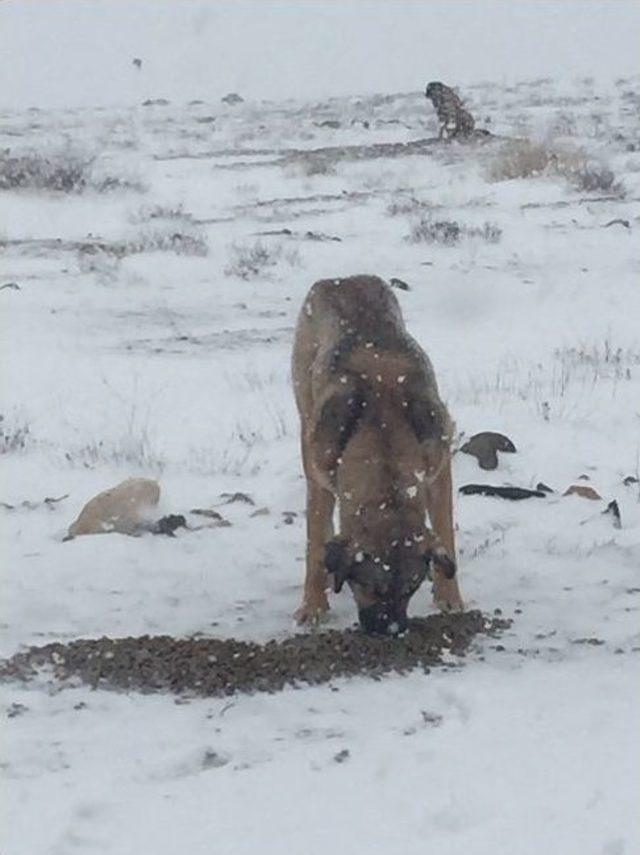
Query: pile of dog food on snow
[219, 666]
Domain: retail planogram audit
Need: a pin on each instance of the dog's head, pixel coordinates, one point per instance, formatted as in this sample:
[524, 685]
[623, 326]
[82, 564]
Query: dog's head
[434, 90]
[383, 585]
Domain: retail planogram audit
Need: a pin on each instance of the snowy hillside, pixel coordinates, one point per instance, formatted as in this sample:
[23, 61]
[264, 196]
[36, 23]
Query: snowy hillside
[153, 261]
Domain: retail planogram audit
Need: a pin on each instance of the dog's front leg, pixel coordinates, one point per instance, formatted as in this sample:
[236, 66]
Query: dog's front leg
[320, 505]
[446, 593]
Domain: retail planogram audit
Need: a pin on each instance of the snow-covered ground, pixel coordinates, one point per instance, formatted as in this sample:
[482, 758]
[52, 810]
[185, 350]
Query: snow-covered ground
[124, 357]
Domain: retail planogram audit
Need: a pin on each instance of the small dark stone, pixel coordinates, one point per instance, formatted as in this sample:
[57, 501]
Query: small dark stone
[213, 760]
[319, 236]
[236, 497]
[206, 512]
[630, 479]
[613, 510]
[167, 525]
[543, 488]
[341, 756]
[232, 98]
[400, 284]
[618, 222]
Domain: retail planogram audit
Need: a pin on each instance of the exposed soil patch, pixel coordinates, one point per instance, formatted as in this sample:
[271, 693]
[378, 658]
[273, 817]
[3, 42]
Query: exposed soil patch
[215, 666]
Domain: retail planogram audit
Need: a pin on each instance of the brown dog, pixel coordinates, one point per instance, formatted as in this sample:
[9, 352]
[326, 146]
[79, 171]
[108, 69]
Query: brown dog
[375, 436]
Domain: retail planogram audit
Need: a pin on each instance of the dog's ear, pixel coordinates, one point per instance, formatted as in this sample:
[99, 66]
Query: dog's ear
[337, 560]
[336, 425]
[427, 418]
[424, 418]
[439, 558]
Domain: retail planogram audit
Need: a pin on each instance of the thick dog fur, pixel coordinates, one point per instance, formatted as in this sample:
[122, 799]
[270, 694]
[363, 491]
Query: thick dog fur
[375, 437]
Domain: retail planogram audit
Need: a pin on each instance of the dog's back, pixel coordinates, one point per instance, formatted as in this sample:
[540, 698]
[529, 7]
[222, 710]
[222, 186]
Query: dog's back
[352, 329]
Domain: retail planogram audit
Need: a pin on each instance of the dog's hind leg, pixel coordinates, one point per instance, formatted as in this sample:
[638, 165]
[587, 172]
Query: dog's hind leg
[446, 593]
[320, 505]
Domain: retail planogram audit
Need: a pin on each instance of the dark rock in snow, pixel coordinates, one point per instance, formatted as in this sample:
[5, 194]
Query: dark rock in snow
[400, 284]
[617, 222]
[229, 498]
[233, 98]
[484, 447]
[167, 525]
[206, 512]
[613, 510]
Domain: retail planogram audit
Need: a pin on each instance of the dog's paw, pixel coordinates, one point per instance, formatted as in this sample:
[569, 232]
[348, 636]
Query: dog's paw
[446, 594]
[449, 605]
[311, 613]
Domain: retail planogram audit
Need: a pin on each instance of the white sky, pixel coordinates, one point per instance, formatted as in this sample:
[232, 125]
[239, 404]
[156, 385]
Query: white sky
[56, 53]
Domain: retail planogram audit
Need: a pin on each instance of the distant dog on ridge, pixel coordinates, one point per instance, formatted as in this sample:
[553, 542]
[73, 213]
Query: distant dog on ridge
[454, 120]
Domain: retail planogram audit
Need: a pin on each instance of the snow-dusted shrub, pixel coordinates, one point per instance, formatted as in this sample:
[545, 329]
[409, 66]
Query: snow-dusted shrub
[525, 159]
[13, 437]
[445, 232]
[591, 176]
[164, 228]
[450, 233]
[602, 358]
[160, 212]
[63, 171]
[163, 239]
[404, 205]
[519, 159]
[66, 172]
[249, 261]
[103, 264]
[315, 164]
[129, 452]
[563, 124]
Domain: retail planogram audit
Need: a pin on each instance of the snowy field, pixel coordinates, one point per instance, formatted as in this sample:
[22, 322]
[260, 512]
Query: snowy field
[150, 334]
